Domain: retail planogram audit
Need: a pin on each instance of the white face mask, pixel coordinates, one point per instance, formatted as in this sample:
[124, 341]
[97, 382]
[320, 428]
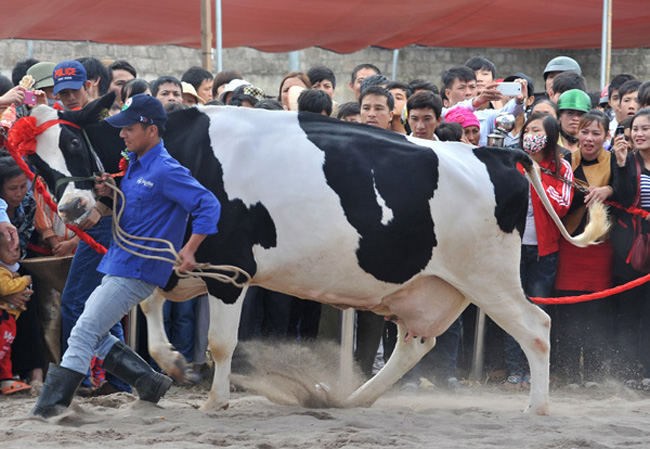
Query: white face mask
[534, 143]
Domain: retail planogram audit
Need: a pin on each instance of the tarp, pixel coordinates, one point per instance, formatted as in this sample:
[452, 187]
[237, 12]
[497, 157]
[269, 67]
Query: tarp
[343, 26]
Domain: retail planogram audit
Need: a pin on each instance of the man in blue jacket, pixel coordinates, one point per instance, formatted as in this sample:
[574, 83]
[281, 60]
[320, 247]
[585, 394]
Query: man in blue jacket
[160, 194]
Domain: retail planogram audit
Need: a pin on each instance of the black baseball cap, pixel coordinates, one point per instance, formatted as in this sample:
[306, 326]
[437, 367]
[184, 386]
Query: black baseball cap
[140, 108]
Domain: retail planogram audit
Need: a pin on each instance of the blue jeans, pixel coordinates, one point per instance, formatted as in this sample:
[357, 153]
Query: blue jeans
[106, 306]
[180, 323]
[537, 279]
[83, 278]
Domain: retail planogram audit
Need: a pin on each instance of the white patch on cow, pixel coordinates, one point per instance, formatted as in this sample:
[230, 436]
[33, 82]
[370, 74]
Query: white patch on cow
[288, 174]
[386, 212]
[48, 141]
[48, 150]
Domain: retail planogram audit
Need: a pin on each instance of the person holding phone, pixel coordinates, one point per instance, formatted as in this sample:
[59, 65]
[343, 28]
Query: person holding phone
[460, 89]
[632, 307]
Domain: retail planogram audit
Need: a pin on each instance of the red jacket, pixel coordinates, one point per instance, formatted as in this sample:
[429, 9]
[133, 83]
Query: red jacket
[560, 194]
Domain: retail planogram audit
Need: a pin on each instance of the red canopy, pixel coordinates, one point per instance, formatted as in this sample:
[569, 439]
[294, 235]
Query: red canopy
[340, 25]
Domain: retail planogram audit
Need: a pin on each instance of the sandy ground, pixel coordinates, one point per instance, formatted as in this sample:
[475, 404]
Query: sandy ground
[487, 417]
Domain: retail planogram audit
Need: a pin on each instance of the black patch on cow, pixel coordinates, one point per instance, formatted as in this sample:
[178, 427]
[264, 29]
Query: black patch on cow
[510, 186]
[360, 159]
[240, 228]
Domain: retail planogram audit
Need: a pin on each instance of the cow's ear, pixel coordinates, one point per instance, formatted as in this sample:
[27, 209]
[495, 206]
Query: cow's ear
[93, 112]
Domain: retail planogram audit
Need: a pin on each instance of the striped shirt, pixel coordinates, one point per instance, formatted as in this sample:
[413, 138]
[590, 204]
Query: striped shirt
[645, 191]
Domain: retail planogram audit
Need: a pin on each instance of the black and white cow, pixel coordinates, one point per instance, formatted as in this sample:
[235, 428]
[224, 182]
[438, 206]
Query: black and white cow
[340, 213]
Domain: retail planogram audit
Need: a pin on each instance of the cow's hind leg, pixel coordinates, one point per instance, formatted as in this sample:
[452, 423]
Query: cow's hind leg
[170, 361]
[222, 338]
[530, 326]
[403, 358]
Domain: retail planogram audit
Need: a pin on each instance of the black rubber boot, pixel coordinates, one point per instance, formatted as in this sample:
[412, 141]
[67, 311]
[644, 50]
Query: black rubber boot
[125, 364]
[58, 390]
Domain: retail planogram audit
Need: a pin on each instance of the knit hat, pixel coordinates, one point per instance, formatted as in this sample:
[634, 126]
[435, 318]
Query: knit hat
[463, 116]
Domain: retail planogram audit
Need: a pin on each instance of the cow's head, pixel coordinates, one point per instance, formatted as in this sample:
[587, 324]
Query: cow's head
[70, 147]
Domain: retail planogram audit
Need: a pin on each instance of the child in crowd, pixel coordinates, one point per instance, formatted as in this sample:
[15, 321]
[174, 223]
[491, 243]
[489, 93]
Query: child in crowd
[10, 282]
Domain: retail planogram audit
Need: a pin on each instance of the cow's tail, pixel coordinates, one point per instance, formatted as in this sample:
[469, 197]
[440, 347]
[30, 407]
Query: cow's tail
[598, 224]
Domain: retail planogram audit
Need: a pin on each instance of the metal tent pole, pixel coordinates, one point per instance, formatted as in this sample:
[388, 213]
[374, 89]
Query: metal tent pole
[606, 43]
[219, 36]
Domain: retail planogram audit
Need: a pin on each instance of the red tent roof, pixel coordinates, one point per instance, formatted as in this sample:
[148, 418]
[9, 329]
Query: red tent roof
[340, 25]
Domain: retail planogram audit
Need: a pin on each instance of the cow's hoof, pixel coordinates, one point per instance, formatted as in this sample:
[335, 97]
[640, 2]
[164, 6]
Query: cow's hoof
[542, 411]
[207, 407]
[177, 371]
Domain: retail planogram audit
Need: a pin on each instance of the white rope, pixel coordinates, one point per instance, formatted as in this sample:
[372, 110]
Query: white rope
[122, 238]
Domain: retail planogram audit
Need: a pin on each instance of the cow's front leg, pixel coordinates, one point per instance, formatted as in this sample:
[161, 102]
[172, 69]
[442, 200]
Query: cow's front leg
[403, 358]
[172, 362]
[222, 338]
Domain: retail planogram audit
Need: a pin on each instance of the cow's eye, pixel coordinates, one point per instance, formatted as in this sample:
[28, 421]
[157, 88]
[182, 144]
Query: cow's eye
[74, 142]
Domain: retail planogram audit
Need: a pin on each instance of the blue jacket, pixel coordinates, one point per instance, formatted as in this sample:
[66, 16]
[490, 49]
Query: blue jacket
[160, 193]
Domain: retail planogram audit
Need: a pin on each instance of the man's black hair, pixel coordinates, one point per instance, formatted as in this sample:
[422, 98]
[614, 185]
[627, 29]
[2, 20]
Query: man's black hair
[461, 72]
[196, 75]
[5, 85]
[568, 80]
[96, 70]
[628, 87]
[399, 85]
[121, 65]
[378, 90]
[270, 104]
[162, 80]
[133, 87]
[363, 66]
[373, 80]
[618, 81]
[20, 69]
[449, 132]
[348, 109]
[425, 100]
[320, 73]
[481, 63]
[422, 84]
[644, 95]
[315, 100]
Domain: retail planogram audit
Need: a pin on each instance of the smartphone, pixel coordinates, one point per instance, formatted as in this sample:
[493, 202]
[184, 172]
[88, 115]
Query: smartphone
[619, 130]
[30, 97]
[509, 89]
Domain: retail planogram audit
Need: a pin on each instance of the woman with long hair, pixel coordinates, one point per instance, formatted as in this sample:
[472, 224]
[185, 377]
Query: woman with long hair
[539, 250]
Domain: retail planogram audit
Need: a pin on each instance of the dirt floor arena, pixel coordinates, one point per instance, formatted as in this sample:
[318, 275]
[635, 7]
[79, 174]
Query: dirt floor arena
[485, 416]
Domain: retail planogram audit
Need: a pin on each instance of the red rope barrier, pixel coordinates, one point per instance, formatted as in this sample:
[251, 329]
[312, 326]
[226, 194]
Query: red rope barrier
[591, 296]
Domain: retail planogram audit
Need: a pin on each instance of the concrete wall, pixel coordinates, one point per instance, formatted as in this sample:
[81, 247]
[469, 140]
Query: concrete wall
[266, 70]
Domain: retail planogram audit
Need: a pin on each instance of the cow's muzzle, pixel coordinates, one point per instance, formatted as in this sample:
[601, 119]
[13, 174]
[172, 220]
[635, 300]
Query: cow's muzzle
[73, 211]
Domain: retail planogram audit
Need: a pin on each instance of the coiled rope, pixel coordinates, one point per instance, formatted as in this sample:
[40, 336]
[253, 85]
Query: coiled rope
[205, 270]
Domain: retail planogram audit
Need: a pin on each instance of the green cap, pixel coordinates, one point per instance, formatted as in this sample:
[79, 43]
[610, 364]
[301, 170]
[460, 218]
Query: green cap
[562, 64]
[574, 99]
[42, 73]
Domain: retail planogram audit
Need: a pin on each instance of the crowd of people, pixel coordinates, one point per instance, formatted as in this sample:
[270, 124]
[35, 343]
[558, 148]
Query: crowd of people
[592, 147]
